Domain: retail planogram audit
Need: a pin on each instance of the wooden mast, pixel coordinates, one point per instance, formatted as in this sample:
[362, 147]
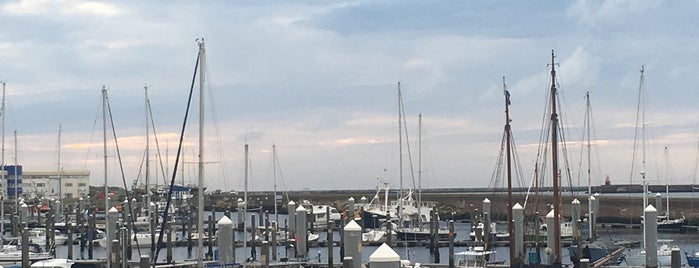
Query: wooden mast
[554, 160]
[510, 224]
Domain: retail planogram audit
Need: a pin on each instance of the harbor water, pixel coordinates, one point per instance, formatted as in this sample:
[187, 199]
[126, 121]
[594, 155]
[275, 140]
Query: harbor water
[687, 242]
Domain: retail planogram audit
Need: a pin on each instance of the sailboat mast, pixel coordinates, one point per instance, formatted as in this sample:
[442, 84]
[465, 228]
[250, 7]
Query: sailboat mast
[588, 116]
[274, 176]
[106, 185]
[510, 224]
[554, 159]
[2, 166]
[60, 184]
[642, 100]
[147, 173]
[200, 193]
[667, 185]
[400, 154]
[245, 207]
[419, 169]
[16, 178]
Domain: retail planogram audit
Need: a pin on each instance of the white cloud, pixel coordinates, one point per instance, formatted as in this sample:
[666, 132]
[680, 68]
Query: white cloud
[61, 7]
[600, 14]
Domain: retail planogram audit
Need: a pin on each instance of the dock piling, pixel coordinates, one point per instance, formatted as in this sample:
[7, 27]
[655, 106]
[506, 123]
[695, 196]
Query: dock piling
[651, 233]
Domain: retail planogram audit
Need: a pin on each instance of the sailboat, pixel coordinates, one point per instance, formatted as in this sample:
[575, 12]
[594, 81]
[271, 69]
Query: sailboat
[408, 213]
[664, 251]
[200, 66]
[593, 250]
[553, 237]
[405, 209]
[665, 223]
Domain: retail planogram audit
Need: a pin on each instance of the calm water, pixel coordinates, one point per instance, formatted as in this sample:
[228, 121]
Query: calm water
[686, 243]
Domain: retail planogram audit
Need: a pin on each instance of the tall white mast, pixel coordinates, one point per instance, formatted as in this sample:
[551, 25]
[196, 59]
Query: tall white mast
[147, 173]
[400, 156]
[419, 170]
[60, 183]
[642, 108]
[16, 178]
[106, 185]
[245, 206]
[200, 194]
[274, 176]
[588, 121]
[2, 168]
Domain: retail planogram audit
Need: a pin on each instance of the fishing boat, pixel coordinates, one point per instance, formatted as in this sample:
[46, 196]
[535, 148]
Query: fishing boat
[320, 216]
[475, 257]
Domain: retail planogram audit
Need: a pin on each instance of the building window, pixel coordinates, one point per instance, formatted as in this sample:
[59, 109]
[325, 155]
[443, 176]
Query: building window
[82, 184]
[69, 184]
[69, 195]
[40, 184]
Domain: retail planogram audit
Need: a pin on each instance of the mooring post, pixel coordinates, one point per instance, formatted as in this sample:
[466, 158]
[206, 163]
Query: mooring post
[69, 231]
[384, 257]
[209, 238]
[584, 263]
[264, 254]
[353, 243]
[550, 239]
[25, 246]
[518, 218]
[274, 240]
[291, 229]
[651, 232]
[347, 262]
[241, 214]
[451, 243]
[329, 238]
[486, 222]
[675, 259]
[225, 245]
[302, 233]
[144, 262]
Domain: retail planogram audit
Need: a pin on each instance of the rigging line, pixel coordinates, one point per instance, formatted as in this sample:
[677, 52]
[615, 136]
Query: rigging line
[217, 130]
[562, 135]
[564, 149]
[515, 157]
[407, 146]
[157, 143]
[594, 137]
[140, 168]
[121, 168]
[696, 161]
[92, 135]
[584, 135]
[177, 162]
[636, 132]
[281, 176]
[496, 174]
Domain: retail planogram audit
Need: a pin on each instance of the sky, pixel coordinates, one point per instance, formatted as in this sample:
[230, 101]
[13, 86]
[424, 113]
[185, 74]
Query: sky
[319, 80]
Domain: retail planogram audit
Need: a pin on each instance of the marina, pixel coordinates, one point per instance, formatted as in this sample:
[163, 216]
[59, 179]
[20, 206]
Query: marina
[503, 169]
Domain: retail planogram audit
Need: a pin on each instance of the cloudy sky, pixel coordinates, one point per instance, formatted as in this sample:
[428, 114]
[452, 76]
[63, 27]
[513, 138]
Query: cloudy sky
[319, 79]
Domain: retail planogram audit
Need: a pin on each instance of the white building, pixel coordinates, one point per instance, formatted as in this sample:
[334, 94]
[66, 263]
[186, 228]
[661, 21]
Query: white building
[51, 184]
